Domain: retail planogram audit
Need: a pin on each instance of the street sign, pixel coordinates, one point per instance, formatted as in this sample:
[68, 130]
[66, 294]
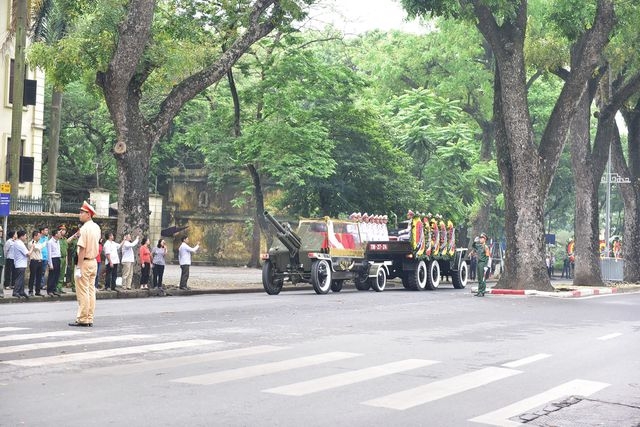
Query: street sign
[5, 204]
[5, 187]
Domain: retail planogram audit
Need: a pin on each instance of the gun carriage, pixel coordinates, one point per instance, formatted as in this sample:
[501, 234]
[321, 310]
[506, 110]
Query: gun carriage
[323, 252]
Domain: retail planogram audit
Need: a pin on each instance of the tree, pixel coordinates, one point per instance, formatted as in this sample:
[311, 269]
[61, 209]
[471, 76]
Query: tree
[151, 64]
[526, 167]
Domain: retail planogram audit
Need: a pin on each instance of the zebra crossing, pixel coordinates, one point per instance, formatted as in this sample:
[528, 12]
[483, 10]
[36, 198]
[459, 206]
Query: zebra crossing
[14, 341]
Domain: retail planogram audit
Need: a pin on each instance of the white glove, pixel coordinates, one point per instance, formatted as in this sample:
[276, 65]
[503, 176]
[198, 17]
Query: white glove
[78, 273]
[485, 269]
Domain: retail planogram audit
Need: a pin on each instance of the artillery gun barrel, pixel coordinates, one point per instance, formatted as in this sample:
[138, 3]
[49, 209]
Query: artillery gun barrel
[285, 235]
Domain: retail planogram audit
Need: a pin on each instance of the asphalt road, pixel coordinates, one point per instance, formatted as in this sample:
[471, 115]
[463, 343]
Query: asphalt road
[441, 358]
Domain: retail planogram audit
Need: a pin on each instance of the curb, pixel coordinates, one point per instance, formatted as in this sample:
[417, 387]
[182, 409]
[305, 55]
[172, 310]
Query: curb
[562, 294]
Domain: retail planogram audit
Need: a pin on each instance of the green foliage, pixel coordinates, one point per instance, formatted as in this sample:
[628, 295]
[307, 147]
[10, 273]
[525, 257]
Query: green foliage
[445, 158]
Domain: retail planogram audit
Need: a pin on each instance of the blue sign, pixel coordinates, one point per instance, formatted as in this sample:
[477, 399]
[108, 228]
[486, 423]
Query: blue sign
[5, 203]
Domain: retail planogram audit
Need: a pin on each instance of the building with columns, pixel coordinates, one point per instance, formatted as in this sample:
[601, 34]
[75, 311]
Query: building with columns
[32, 115]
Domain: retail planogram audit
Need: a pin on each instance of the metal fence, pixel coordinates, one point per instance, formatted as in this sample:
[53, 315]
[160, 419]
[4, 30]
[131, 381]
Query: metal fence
[612, 269]
[34, 204]
[27, 204]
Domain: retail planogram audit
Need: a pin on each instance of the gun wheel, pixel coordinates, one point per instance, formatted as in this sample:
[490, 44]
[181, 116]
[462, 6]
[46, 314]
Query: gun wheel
[271, 285]
[321, 276]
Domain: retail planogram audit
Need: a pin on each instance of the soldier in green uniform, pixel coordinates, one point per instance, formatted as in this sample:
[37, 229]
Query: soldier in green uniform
[63, 257]
[484, 262]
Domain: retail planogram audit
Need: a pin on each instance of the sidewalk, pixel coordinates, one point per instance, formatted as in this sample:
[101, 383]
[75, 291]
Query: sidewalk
[202, 280]
[221, 280]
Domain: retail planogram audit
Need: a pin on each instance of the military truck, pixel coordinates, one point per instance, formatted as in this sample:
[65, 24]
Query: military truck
[422, 257]
[323, 252]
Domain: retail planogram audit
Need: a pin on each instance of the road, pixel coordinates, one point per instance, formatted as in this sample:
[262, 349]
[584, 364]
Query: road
[441, 358]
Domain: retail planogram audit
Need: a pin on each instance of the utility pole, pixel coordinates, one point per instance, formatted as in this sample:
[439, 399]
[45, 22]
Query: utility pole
[18, 97]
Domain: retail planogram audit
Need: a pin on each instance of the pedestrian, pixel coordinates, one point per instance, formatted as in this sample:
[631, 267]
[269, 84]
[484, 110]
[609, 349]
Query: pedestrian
[128, 259]
[158, 257]
[64, 246]
[44, 238]
[21, 255]
[72, 258]
[145, 263]
[484, 262]
[112, 260]
[53, 248]
[184, 258]
[99, 262]
[86, 268]
[9, 264]
[473, 264]
[1, 260]
[35, 263]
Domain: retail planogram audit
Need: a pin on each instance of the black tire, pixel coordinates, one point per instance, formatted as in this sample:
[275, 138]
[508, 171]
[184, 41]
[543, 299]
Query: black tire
[405, 282]
[271, 285]
[321, 276]
[379, 282]
[417, 278]
[336, 285]
[433, 276]
[461, 276]
[362, 283]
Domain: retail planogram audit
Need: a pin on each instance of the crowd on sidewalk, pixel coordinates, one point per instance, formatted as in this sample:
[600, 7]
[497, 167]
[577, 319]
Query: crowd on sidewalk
[45, 262]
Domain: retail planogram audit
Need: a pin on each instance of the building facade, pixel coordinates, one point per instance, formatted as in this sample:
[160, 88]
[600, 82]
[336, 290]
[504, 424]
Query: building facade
[32, 115]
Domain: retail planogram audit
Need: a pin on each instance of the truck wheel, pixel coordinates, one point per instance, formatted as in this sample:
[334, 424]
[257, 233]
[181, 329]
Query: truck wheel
[418, 278]
[379, 282]
[271, 285]
[460, 276]
[321, 276]
[336, 285]
[433, 279]
[362, 283]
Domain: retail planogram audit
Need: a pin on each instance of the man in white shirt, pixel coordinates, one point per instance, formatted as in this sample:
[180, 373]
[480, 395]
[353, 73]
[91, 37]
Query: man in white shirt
[128, 259]
[184, 257]
[111, 262]
[53, 263]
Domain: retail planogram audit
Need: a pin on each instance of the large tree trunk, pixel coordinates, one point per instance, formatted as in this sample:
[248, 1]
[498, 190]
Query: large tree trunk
[630, 191]
[260, 224]
[587, 179]
[519, 174]
[526, 168]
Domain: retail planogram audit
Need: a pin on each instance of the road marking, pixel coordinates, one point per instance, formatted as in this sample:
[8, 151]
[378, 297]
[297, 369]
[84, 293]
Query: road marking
[153, 365]
[55, 344]
[346, 378]
[439, 389]
[100, 354]
[526, 360]
[610, 336]
[501, 416]
[264, 369]
[22, 337]
[11, 329]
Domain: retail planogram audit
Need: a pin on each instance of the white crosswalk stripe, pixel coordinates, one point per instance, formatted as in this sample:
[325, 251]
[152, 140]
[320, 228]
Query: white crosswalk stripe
[56, 344]
[100, 354]
[501, 416]
[52, 334]
[12, 329]
[346, 378]
[172, 362]
[439, 389]
[264, 369]
[526, 360]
